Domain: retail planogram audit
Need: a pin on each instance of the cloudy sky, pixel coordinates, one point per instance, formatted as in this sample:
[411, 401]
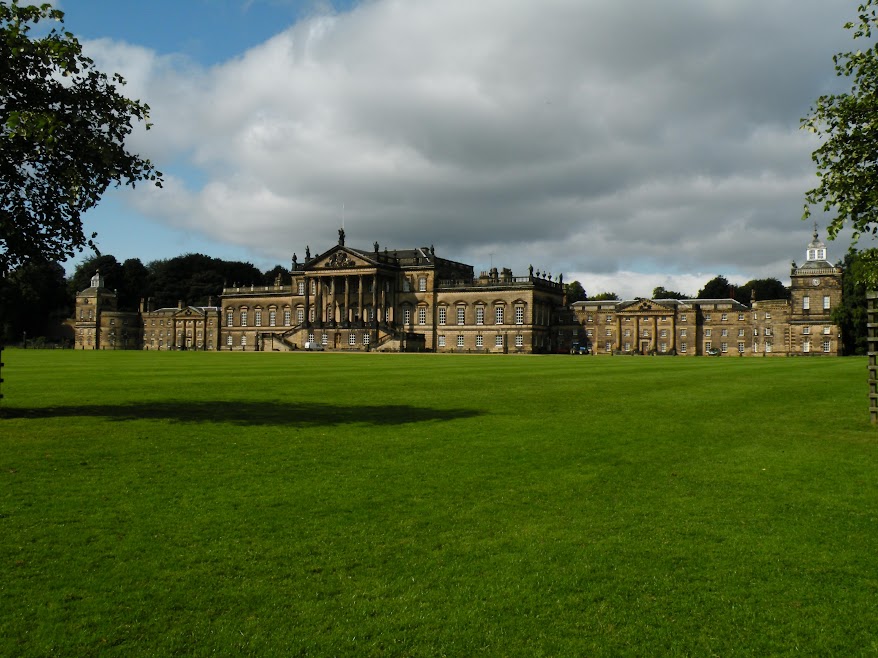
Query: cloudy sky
[623, 143]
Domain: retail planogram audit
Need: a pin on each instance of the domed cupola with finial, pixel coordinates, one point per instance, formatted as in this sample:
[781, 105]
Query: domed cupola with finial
[815, 256]
[97, 281]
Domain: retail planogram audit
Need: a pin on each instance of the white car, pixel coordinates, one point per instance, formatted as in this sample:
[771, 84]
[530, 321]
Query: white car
[313, 346]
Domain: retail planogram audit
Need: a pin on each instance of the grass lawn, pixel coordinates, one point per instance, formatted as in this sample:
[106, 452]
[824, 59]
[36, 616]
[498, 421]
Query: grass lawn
[424, 505]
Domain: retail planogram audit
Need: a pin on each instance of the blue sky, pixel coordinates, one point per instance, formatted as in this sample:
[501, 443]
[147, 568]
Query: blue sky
[208, 31]
[625, 144]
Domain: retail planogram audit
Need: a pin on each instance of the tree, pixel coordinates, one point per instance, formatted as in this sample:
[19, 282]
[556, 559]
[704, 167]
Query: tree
[135, 284]
[605, 296]
[271, 276]
[575, 292]
[35, 301]
[195, 278]
[659, 292]
[851, 315]
[770, 288]
[63, 126]
[847, 161]
[717, 288]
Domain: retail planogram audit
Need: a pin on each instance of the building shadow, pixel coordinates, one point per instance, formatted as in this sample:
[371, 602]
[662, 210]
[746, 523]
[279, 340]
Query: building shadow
[291, 414]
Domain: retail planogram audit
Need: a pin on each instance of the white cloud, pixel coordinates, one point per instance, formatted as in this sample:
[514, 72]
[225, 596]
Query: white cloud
[604, 138]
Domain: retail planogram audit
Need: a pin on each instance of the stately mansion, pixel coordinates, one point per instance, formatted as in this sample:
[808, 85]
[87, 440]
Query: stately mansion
[415, 301]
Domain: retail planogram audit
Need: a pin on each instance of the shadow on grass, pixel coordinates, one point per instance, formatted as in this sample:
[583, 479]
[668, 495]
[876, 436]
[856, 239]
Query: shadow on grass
[249, 413]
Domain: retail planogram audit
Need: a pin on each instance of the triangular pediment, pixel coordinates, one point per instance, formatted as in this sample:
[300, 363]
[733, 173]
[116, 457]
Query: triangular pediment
[339, 258]
[647, 306]
[189, 312]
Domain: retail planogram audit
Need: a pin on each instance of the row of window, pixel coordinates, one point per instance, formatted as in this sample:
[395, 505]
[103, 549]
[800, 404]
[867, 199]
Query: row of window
[258, 317]
[499, 315]
[806, 303]
[768, 346]
[708, 317]
[188, 332]
[170, 322]
[407, 284]
[708, 333]
[352, 338]
[300, 286]
[480, 341]
[724, 346]
[664, 318]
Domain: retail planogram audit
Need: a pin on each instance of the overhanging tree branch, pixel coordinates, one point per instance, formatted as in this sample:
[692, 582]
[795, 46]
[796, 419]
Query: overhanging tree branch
[63, 126]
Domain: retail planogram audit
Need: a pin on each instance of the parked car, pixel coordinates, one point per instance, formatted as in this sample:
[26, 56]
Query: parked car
[313, 346]
[713, 352]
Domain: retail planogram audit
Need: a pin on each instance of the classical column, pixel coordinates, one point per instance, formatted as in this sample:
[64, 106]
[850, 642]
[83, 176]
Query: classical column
[318, 310]
[391, 304]
[375, 297]
[332, 300]
[360, 297]
[307, 318]
[347, 300]
[655, 345]
[672, 344]
[619, 342]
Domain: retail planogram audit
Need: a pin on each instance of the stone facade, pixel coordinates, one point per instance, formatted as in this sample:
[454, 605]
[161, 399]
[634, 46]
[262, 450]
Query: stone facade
[801, 325]
[183, 327]
[409, 300]
[413, 300]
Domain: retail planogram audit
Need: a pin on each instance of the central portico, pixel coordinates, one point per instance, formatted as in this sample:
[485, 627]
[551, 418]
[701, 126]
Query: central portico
[346, 287]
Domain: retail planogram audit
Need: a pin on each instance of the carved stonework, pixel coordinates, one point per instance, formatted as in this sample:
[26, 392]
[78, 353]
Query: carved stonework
[339, 259]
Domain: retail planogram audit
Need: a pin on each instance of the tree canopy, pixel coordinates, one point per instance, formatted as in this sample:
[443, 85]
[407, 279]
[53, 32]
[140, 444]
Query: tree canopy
[34, 300]
[717, 288]
[195, 278]
[851, 315]
[605, 296]
[762, 289]
[848, 123]
[63, 126]
[575, 292]
[659, 292]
